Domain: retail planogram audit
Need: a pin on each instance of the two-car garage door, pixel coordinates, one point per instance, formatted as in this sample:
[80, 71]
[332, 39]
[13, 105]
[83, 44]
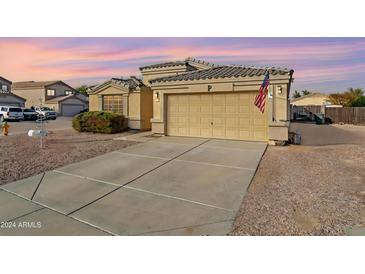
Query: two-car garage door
[216, 115]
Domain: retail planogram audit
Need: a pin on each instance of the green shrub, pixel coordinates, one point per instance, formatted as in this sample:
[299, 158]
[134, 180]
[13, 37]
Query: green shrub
[360, 102]
[100, 122]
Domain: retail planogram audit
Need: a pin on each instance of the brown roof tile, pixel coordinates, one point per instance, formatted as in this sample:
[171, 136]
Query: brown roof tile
[33, 84]
[224, 72]
[189, 62]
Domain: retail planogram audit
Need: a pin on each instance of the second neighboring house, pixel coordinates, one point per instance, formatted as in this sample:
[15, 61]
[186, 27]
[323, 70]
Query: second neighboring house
[312, 99]
[7, 98]
[128, 96]
[54, 94]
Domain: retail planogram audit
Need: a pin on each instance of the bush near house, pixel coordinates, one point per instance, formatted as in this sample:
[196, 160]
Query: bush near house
[99, 122]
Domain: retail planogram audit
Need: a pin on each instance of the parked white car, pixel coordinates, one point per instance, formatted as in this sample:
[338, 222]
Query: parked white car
[46, 112]
[10, 113]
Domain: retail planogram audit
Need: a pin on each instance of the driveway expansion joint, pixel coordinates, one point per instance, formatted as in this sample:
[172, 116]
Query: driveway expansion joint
[182, 227]
[36, 189]
[140, 155]
[178, 198]
[147, 172]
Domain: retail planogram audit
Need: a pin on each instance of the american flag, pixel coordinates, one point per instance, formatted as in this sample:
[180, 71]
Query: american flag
[260, 98]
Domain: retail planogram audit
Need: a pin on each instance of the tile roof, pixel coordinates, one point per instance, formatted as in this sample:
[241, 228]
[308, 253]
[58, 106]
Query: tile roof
[11, 94]
[189, 62]
[33, 84]
[130, 83]
[59, 99]
[62, 98]
[4, 79]
[224, 72]
[163, 65]
[312, 94]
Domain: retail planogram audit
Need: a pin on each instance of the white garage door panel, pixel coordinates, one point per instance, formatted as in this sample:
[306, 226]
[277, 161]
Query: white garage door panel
[71, 110]
[222, 115]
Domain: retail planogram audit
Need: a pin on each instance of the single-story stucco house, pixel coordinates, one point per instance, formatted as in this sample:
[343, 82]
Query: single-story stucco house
[217, 101]
[128, 96]
[312, 99]
[54, 94]
[7, 98]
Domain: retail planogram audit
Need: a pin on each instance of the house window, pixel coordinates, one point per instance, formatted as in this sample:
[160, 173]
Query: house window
[4, 88]
[68, 92]
[113, 103]
[51, 92]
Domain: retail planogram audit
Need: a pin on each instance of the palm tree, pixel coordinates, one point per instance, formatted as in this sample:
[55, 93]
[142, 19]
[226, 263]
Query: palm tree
[306, 92]
[353, 94]
[357, 92]
[296, 94]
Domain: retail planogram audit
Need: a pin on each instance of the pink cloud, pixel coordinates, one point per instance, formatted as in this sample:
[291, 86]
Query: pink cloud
[41, 59]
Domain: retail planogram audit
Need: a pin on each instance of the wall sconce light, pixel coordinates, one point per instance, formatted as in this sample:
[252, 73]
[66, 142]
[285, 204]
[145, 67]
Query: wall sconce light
[157, 96]
[210, 88]
[279, 89]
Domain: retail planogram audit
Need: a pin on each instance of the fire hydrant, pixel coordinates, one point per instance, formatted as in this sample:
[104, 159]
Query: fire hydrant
[5, 128]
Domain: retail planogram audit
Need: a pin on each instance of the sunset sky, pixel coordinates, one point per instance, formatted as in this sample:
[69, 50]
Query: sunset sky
[320, 64]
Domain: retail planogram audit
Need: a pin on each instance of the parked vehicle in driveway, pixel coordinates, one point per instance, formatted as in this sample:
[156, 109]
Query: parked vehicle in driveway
[84, 110]
[46, 112]
[30, 114]
[10, 113]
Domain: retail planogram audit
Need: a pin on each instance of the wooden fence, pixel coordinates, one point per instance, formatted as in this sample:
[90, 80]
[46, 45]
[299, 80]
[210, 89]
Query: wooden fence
[336, 115]
[346, 115]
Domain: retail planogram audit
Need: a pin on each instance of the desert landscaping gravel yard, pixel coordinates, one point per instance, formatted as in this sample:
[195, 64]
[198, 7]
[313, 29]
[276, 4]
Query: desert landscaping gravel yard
[21, 156]
[317, 188]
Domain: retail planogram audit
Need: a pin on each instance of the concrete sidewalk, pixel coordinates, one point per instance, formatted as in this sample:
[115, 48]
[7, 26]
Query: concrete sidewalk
[165, 186]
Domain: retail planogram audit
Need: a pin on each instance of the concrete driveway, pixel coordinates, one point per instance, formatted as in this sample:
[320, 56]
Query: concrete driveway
[166, 186]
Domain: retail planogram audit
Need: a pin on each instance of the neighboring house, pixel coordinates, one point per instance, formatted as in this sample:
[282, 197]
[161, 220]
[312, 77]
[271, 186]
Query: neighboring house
[312, 99]
[198, 99]
[129, 97]
[7, 98]
[54, 94]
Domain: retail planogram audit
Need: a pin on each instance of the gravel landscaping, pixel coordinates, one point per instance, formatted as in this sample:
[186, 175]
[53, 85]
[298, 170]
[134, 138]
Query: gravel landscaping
[317, 188]
[21, 156]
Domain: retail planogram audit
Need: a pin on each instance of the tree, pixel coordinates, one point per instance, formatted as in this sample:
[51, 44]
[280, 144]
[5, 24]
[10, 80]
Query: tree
[82, 89]
[306, 92]
[360, 102]
[296, 94]
[347, 98]
[338, 99]
[353, 94]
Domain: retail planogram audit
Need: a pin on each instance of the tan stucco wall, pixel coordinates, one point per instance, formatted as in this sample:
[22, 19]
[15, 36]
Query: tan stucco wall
[94, 102]
[31, 95]
[312, 100]
[134, 108]
[277, 106]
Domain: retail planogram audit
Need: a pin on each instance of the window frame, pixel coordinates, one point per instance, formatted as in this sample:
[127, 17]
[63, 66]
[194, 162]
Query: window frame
[51, 89]
[68, 92]
[113, 103]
